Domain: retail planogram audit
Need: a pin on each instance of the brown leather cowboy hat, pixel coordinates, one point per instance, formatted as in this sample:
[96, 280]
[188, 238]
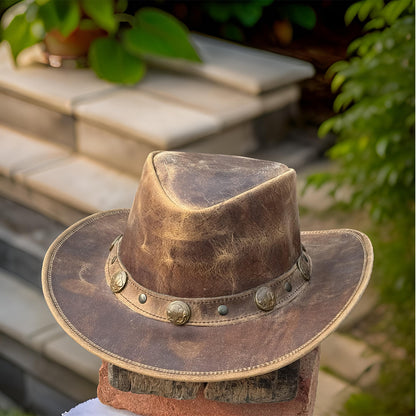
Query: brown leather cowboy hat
[207, 277]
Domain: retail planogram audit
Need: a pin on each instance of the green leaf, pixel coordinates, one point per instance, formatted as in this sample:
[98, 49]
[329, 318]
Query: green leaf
[61, 15]
[377, 23]
[102, 13]
[381, 147]
[232, 32]
[326, 127]
[19, 35]
[337, 67]
[87, 24]
[365, 9]
[352, 12]
[220, 12]
[248, 14]
[342, 101]
[121, 6]
[158, 33]
[303, 16]
[394, 9]
[112, 62]
[337, 82]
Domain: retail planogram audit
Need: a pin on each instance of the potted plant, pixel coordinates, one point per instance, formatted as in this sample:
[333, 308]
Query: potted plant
[114, 42]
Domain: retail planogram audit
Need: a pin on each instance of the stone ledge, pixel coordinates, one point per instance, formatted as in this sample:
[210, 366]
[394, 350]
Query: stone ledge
[37, 383]
[25, 318]
[246, 69]
[331, 394]
[55, 89]
[350, 359]
[235, 85]
[64, 186]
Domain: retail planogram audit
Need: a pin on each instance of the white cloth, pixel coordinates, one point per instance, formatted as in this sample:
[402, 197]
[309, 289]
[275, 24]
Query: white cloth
[94, 407]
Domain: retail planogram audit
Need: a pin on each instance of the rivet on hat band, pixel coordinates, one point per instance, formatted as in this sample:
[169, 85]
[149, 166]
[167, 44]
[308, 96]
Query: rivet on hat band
[213, 311]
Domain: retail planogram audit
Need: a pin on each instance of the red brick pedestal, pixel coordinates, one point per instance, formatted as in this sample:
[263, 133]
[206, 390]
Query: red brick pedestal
[150, 405]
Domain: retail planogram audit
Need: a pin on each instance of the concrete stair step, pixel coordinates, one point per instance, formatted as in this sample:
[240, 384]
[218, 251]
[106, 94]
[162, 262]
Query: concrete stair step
[63, 185]
[67, 186]
[218, 109]
[35, 353]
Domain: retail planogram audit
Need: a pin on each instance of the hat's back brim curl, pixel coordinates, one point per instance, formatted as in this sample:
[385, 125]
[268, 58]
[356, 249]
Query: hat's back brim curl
[76, 291]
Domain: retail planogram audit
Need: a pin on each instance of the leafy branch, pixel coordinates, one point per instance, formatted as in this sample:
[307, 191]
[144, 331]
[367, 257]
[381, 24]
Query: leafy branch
[118, 55]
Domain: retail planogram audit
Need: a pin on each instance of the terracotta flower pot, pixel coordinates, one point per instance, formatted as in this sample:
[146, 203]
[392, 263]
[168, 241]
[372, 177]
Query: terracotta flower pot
[71, 48]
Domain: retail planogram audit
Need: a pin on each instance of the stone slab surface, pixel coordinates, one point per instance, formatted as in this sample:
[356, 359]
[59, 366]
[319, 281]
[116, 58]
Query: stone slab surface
[45, 204]
[83, 184]
[68, 353]
[25, 317]
[113, 149]
[27, 230]
[147, 118]
[54, 88]
[128, 155]
[243, 68]
[331, 394]
[34, 119]
[237, 140]
[350, 359]
[20, 152]
[230, 106]
[23, 312]
[18, 363]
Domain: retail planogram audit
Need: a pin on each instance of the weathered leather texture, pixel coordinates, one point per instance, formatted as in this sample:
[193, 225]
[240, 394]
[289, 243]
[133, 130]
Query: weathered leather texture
[246, 234]
[204, 311]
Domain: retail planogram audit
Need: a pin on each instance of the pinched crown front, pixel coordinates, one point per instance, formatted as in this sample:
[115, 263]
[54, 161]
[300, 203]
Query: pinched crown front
[211, 225]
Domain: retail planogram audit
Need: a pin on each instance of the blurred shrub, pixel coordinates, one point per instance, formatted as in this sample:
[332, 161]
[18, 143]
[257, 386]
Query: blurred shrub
[117, 43]
[248, 13]
[375, 150]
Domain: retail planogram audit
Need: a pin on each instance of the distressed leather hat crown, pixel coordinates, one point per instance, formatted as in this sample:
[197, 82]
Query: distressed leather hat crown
[207, 277]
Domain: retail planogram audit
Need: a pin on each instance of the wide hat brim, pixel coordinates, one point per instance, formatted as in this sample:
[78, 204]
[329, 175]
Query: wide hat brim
[77, 293]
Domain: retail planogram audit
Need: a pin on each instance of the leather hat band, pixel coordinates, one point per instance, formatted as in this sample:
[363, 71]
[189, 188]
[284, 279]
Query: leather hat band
[212, 311]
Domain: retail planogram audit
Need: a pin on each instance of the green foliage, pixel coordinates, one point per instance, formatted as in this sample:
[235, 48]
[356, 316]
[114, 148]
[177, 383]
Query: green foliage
[247, 13]
[158, 33]
[107, 57]
[120, 56]
[300, 14]
[376, 124]
[375, 150]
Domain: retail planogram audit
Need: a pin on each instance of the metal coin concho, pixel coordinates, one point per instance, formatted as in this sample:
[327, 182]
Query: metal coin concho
[178, 312]
[118, 281]
[265, 299]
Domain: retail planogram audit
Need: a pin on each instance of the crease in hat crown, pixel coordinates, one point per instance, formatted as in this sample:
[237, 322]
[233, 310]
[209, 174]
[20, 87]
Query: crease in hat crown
[180, 243]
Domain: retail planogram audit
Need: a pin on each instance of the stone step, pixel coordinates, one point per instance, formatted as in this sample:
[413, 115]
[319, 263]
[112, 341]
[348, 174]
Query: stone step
[25, 235]
[62, 185]
[331, 394]
[119, 126]
[67, 186]
[246, 69]
[350, 359]
[35, 353]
